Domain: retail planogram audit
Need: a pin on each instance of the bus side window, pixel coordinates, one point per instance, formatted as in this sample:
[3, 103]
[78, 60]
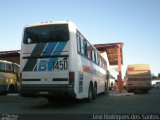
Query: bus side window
[82, 45]
[96, 57]
[85, 47]
[93, 55]
[2, 66]
[9, 67]
[100, 62]
[16, 69]
[88, 51]
[78, 42]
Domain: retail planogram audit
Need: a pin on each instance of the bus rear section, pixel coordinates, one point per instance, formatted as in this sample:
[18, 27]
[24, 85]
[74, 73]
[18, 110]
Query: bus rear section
[138, 78]
[45, 61]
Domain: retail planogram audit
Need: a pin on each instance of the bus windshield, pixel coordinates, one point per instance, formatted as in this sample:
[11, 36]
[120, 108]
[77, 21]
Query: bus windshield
[46, 33]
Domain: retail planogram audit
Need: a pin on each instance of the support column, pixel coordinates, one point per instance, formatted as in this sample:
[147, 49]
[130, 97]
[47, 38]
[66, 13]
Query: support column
[120, 83]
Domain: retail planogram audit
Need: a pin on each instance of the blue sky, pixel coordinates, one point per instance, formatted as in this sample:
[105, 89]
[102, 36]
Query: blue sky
[136, 23]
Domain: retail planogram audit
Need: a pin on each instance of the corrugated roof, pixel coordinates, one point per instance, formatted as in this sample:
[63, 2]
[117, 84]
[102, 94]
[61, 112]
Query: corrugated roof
[12, 56]
[13, 53]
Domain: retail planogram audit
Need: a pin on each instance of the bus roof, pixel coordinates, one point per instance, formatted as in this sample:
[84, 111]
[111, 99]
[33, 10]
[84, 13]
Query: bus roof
[138, 69]
[49, 23]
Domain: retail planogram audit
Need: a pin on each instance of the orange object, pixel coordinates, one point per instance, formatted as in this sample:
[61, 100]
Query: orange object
[114, 53]
[120, 83]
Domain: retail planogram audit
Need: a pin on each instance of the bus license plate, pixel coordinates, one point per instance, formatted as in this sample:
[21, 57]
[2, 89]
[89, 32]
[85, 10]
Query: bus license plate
[43, 93]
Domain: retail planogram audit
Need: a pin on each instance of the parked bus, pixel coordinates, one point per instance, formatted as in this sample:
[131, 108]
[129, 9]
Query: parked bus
[9, 77]
[138, 78]
[58, 61]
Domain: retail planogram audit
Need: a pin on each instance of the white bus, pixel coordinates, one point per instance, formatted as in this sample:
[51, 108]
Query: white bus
[58, 61]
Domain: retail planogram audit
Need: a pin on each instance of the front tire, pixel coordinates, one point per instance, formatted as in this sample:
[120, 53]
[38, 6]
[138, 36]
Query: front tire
[11, 89]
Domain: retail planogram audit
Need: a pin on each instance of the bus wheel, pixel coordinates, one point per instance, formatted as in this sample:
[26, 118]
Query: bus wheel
[95, 92]
[90, 93]
[11, 89]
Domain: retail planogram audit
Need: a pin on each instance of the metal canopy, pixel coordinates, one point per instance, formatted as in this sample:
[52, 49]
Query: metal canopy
[13, 56]
[112, 51]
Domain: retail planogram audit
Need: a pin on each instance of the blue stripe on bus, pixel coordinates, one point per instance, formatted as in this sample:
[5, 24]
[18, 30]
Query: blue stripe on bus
[49, 49]
[52, 49]
[58, 51]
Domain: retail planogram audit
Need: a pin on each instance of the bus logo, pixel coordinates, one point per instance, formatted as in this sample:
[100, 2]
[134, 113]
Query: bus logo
[44, 65]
